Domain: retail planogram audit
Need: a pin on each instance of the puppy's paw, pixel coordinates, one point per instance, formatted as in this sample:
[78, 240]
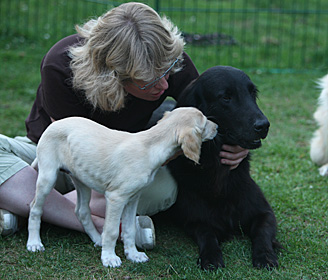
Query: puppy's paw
[95, 237]
[35, 246]
[98, 243]
[110, 260]
[323, 170]
[135, 256]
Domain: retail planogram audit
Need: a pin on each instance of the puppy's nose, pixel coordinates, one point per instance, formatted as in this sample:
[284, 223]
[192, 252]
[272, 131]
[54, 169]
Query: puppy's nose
[214, 129]
[261, 127]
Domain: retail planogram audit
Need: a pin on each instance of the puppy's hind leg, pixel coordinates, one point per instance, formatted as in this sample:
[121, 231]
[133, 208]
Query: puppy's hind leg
[129, 232]
[82, 211]
[45, 183]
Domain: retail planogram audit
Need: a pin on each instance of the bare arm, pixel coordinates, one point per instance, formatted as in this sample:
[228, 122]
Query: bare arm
[233, 155]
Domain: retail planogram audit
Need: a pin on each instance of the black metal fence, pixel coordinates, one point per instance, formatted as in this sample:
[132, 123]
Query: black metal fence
[277, 35]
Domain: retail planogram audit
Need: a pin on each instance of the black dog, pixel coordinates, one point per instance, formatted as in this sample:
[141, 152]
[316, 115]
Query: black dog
[213, 202]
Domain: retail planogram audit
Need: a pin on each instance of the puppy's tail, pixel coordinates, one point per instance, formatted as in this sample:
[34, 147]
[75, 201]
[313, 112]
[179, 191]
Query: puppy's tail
[34, 164]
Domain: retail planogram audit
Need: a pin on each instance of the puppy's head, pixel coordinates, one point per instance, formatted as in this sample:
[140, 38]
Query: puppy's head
[192, 128]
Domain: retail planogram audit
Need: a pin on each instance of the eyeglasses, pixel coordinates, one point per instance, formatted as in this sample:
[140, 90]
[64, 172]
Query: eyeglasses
[154, 83]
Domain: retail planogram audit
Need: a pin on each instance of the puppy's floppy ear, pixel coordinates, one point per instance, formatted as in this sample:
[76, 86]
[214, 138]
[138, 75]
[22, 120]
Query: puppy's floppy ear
[190, 140]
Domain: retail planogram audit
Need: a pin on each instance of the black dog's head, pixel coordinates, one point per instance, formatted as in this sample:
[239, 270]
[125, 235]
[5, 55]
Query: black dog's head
[227, 96]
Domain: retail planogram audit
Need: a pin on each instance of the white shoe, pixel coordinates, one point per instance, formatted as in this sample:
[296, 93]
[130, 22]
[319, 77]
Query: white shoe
[8, 223]
[145, 233]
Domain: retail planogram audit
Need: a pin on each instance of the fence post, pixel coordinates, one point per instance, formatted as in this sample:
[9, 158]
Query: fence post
[157, 6]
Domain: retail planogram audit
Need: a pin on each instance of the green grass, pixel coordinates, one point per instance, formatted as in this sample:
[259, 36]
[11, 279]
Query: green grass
[282, 167]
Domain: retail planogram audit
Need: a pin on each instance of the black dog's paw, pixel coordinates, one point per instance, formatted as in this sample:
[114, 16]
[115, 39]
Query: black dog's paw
[266, 260]
[211, 262]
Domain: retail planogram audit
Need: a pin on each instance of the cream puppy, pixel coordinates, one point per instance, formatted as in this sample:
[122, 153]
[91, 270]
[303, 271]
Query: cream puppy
[115, 163]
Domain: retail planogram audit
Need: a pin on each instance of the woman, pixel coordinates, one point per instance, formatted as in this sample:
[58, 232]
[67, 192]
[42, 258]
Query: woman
[116, 71]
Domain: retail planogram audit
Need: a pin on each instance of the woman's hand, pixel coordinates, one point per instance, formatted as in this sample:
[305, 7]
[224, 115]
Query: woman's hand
[232, 155]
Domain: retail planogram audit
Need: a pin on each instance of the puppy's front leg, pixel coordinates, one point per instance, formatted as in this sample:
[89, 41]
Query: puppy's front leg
[129, 232]
[114, 207]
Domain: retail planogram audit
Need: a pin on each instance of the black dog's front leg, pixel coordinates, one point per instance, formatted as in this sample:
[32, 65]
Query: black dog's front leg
[210, 254]
[263, 239]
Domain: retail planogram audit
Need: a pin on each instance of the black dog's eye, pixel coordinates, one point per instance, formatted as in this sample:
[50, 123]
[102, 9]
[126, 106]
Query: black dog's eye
[226, 98]
[225, 95]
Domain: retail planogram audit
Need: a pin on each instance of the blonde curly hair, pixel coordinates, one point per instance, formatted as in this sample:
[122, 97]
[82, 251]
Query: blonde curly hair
[129, 42]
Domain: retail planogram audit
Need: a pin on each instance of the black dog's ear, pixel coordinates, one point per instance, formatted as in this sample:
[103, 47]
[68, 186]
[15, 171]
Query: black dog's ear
[196, 94]
[191, 95]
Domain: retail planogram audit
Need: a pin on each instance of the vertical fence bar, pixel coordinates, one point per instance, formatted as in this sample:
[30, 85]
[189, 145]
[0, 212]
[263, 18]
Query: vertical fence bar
[284, 34]
[326, 44]
[75, 16]
[267, 37]
[27, 17]
[18, 14]
[317, 23]
[207, 29]
[219, 24]
[292, 33]
[256, 35]
[194, 23]
[317, 28]
[8, 17]
[232, 29]
[157, 6]
[280, 36]
[55, 20]
[306, 19]
[65, 16]
[243, 34]
[182, 14]
[36, 17]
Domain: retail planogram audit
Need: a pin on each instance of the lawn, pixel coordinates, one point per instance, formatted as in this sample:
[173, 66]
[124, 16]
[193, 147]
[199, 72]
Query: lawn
[282, 168]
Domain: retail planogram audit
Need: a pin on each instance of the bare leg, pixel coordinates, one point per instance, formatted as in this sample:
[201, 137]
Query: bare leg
[97, 202]
[18, 191]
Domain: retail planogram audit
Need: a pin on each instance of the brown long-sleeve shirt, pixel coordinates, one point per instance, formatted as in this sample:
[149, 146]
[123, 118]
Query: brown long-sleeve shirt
[57, 99]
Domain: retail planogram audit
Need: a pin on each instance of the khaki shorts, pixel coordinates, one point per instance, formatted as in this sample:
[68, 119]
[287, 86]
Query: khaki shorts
[19, 152]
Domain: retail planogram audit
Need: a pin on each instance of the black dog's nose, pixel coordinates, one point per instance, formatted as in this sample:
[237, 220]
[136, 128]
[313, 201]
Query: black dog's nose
[261, 127]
